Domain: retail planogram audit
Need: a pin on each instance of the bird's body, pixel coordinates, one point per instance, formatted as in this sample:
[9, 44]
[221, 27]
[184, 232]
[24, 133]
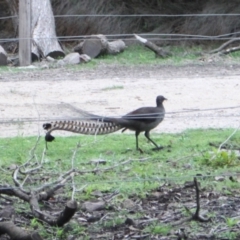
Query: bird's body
[143, 119]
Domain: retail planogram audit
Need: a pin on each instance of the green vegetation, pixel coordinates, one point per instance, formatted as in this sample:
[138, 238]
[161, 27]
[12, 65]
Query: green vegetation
[220, 158]
[184, 155]
[115, 87]
[139, 55]
[231, 222]
[158, 229]
[130, 173]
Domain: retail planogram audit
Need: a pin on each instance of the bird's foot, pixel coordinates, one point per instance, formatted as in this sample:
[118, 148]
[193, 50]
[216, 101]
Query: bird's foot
[158, 148]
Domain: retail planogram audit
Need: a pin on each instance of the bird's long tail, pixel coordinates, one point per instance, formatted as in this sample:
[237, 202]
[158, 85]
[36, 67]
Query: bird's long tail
[95, 125]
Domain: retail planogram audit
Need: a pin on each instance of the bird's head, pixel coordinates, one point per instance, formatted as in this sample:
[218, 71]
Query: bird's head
[160, 100]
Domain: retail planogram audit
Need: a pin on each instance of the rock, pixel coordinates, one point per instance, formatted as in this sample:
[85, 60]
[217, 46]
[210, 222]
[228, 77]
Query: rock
[94, 206]
[85, 58]
[72, 58]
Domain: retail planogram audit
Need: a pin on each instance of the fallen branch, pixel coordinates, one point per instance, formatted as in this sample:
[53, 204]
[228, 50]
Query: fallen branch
[43, 193]
[224, 45]
[16, 233]
[159, 52]
[233, 133]
[63, 218]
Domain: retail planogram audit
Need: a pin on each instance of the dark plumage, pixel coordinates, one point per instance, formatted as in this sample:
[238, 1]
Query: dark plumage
[143, 119]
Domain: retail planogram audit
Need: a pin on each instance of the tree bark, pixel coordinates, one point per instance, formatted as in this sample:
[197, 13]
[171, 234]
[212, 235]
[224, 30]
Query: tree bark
[3, 57]
[116, 47]
[223, 48]
[159, 52]
[13, 6]
[45, 42]
[98, 45]
[15, 232]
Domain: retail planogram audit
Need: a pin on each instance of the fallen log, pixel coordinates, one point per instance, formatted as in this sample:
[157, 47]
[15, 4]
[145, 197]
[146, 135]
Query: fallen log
[98, 45]
[159, 52]
[115, 47]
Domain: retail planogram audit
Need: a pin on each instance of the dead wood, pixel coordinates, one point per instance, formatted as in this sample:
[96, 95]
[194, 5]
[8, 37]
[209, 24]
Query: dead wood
[196, 216]
[44, 41]
[3, 57]
[115, 47]
[98, 45]
[159, 52]
[67, 214]
[34, 197]
[13, 7]
[17, 233]
[222, 49]
[63, 218]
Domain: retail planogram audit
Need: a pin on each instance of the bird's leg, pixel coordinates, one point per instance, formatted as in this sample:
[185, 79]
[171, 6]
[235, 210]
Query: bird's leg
[148, 137]
[139, 149]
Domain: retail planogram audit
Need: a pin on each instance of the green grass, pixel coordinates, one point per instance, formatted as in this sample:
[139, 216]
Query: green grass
[139, 55]
[185, 155]
[158, 229]
[114, 87]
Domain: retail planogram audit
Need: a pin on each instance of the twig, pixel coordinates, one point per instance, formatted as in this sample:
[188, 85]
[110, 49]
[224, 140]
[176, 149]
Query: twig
[81, 189]
[224, 45]
[74, 154]
[61, 180]
[104, 169]
[73, 188]
[196, 216]
[17, 183]
[15, 174]
[219, 149]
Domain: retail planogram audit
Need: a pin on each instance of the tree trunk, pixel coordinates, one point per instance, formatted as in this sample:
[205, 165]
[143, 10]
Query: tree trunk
[45, 42]
[13, 6]
[3, 57]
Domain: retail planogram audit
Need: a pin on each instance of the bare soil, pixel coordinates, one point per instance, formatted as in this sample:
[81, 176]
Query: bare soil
[31, 97]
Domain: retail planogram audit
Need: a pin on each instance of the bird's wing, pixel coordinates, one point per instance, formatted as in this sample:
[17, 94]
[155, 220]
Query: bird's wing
[145, 114]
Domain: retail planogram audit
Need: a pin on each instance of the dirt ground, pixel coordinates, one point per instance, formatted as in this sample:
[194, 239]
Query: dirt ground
[30, 97]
